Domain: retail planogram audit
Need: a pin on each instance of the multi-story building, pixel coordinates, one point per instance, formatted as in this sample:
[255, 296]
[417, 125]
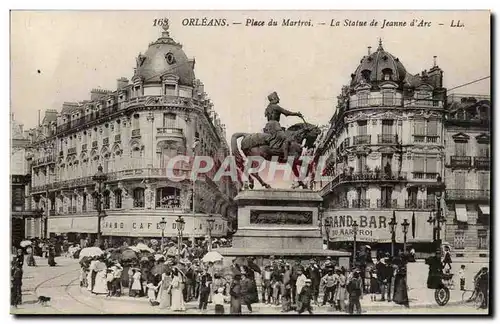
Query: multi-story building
[467, 173]
[20, 180]
[132, 132]
[385, 152]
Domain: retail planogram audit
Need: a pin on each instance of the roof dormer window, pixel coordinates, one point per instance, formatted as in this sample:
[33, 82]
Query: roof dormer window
[366, 75]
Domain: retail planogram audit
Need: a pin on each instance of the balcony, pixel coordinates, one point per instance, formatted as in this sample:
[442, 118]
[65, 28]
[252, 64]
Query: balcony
[420, 204]
[95, 144]
[386, 203]
[148, 172]
[424, 175]
[105, 141]
[361, 203]
[72, 150]
[387, 139]
[44, 160]
[138, 203]
[362, 139]
[169, 131]
[136, 133]
[118, 138]
[72, 209]
[460, 162]
[482, 162]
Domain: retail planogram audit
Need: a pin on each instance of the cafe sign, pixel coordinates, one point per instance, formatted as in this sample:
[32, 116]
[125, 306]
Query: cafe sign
[373, 226]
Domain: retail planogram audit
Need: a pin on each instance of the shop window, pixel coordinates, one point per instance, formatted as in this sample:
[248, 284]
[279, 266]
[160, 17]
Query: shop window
[138, 195]
[482, 239]
[168, 197]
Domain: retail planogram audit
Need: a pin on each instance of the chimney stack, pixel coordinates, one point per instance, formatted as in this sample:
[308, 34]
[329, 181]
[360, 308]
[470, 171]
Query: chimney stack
[435, 60]
[369, 50]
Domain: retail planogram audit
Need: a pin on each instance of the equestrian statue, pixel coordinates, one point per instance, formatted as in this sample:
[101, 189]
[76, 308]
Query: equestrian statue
[276, 141]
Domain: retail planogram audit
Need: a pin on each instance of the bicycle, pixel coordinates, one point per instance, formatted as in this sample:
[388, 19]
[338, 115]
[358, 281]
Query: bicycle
[473, 296]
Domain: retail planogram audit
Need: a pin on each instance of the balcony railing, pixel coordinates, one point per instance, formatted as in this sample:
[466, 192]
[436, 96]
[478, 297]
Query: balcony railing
[387, 101]
[168, 130]
[387, 139]
[136, 133]
[420, 204]
[138, 203]
[361, 203]
[387, 203]
[460, 162]
[362, 139]
[482, 162]
[44, 160]
[424, 175]
[467, 194]
[72, 150]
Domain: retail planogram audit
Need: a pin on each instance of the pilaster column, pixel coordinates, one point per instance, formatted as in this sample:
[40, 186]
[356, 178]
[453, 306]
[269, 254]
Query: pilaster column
[150, 140]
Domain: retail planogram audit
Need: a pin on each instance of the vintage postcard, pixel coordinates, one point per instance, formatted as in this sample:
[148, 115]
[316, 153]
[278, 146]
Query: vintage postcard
[250, 162]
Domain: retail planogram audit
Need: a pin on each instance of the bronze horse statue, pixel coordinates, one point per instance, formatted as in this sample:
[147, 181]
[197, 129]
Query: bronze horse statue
[257, 144]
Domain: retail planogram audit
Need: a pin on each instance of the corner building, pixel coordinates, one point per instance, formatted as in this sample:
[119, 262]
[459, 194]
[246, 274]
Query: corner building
[132, 132]
[384, 150]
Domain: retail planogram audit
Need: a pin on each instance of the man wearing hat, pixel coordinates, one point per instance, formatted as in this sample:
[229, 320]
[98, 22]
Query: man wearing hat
[314, 273]
[305, 297]
[273, 113]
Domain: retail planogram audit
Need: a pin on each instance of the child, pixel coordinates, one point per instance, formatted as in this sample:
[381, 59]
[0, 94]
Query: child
[461, 275]
[305, 297]
[152, 294]
[373, 284]
[109, 280]
[219, 299]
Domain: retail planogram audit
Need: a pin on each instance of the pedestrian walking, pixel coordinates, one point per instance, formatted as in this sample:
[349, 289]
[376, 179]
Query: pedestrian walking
[247, 291]
[340, 291]
[355, 289]
[204, 290]
[461, 275]
[374, 284]
[16, 284]
[447, 258]
[219, 299]
[328, 284]
[165, 286]
[305, 297]
[235, 292]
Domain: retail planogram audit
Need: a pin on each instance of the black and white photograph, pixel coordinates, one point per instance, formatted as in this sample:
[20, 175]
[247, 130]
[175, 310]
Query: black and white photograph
[271, 162]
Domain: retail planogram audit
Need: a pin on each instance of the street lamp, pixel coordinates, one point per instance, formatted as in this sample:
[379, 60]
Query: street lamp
[328, 225]
[405, 225]
[436, 217]
[99, 178]
[392, 225]
[163, 224]
[355, 233]
[210, 222]
[180, 227]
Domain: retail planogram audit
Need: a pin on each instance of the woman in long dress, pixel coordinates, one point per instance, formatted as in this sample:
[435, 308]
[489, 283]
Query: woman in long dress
[91, 275]
[401, 287]
[165, 295]
[136, 283]
[101, 284]
[177, 287]
[340, 294]
[235, 292]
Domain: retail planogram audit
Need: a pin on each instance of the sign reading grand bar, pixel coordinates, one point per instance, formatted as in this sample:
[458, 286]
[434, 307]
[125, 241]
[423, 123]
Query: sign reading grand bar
[373, 226]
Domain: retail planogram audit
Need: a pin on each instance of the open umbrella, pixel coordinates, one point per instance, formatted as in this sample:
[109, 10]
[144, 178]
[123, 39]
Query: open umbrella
[134, 248]
[128, 255]
[84, 261]
[90, 252]
[212, 256]
[25, 243]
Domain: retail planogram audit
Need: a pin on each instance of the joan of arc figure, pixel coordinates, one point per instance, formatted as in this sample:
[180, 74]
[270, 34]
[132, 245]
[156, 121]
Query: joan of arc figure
[273, 113]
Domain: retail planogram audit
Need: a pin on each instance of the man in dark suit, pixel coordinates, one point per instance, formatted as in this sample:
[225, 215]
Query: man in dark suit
[313, 272]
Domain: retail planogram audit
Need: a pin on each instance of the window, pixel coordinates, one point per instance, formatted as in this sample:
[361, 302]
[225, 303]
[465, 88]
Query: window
[483, 149]
[170, 89]
[419, 130]
[168, 197]
[169, 120]
[361, 163]
[118, 199]
[135, 122]
[386, 197]
[105, 199]
[362, 127]
[459, 239]
[362, 99]
[387, 126]
[418, 164]
[361, 193]
[460, 180]
[388, 98]
[482, 239]
[84, 202]
[432, 128]
[138, 195]
[460, 148]
[431, 165]
[483, 180]
[386, 163]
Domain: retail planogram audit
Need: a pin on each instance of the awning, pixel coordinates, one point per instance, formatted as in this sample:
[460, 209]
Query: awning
[461, 212]
[485, 209]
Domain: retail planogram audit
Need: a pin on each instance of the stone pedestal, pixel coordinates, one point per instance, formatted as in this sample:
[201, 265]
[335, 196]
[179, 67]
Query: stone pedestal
[281, 223]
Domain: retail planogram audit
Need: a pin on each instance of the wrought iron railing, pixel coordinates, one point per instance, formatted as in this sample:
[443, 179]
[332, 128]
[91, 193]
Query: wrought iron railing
[387, 139]
[467, 194]
[482, 162]
[361, 203]
[460, 161]
[420, 204]
[387, 203]
[362, 139]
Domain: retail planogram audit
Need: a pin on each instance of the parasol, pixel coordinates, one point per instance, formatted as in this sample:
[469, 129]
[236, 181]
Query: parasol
[212, 256]
[90, 252]
[159, 269]
[100, 266]
[25, 243]
[144, 247]
[134, 248]
[128, 255]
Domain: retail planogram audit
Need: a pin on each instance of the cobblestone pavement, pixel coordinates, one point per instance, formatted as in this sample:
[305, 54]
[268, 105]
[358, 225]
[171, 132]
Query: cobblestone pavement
[62, 285]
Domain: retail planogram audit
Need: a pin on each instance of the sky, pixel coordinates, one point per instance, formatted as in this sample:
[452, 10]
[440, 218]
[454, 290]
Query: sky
[59, 56]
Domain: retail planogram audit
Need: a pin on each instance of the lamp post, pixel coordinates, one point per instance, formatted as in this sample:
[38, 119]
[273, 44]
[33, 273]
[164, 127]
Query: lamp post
[355, 233]
[328, 225]
[436, 218]
[99, 178]
[163, 224]
[210, 222]
[392, 225]
[405, 225]
[180, 227]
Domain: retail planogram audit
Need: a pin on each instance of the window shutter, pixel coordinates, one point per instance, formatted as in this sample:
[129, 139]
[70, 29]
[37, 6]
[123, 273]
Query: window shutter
[418, 164]
[431, 165]
[419, 127]
[432, 128]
